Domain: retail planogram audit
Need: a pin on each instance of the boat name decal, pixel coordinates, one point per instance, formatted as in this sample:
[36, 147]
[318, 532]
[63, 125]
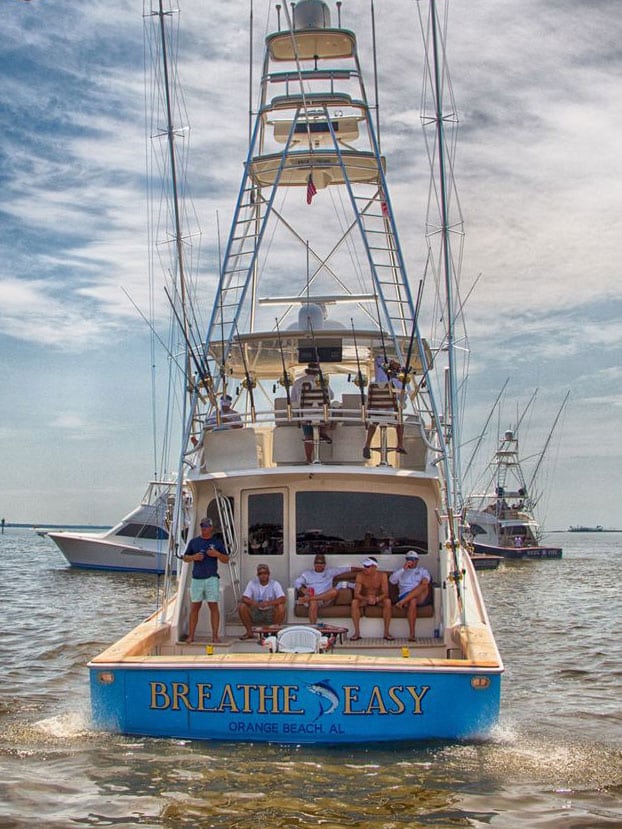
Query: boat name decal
[284, 699]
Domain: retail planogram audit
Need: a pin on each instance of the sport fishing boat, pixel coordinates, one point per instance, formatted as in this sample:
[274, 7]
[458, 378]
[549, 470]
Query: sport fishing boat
[139, 542]
[501, 521]
[361, 463]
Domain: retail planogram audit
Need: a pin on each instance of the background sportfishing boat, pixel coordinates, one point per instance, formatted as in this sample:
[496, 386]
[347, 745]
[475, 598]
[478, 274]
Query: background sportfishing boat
[313, 233]
[501, 521]
[138, 542]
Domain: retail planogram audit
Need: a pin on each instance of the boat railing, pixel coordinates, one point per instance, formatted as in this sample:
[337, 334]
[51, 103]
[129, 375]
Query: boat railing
[273, 437]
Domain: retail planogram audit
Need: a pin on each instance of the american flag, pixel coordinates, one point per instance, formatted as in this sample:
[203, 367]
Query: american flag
[311, 189]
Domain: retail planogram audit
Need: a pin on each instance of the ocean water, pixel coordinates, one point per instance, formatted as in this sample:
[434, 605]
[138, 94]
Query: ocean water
[554, 761]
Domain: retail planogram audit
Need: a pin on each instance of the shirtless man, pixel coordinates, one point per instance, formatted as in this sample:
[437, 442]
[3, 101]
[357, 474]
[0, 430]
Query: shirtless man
[371, 589]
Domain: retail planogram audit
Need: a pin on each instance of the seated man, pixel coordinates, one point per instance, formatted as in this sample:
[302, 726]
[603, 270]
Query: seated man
[414, 584]
[387, 374]
[229, 418]
[316, 587]
[371, 588]
[309, 380]
[263, 602]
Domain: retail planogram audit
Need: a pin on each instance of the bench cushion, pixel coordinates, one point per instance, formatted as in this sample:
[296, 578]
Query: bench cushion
[342, 607]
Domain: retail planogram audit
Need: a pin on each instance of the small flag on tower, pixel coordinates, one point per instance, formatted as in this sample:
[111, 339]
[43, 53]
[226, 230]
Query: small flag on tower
[311, 189]
[385, 208]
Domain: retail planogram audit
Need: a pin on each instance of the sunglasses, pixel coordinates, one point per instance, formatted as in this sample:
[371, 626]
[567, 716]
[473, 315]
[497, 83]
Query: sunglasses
[259, 572]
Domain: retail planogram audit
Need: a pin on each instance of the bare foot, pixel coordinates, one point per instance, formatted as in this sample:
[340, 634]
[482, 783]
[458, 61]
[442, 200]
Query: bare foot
[215, 639]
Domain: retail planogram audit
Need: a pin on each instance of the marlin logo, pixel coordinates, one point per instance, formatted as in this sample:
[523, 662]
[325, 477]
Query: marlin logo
[328, 698]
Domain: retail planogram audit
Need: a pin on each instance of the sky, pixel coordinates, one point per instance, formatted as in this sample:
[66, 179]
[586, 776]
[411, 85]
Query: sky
[539, 175]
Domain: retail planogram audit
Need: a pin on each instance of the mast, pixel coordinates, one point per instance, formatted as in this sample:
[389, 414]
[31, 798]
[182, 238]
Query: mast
[178, 296]
[454, 475]
[170, 134]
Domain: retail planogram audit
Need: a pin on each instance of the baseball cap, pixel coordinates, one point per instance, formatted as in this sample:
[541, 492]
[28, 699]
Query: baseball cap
[207, 522]
[320, 558]
[411, 555]
[370, 562]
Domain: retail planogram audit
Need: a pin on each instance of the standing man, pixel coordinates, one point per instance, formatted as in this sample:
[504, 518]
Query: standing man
[316, 587]
[205, 552]
[371, 590]
[414, 585]
[263, 602]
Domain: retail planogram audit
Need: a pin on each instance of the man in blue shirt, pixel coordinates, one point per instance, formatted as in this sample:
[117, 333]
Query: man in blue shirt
[205, 552]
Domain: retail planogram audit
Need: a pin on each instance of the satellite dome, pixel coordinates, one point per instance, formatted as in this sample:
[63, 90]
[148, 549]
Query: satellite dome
[311, 14]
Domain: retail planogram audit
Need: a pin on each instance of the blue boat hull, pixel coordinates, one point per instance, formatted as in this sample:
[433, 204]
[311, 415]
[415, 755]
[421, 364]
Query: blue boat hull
[314, 705]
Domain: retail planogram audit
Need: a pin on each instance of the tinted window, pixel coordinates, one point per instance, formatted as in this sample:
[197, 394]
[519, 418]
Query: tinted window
[359, 522]
[265, 524]
[143, 531]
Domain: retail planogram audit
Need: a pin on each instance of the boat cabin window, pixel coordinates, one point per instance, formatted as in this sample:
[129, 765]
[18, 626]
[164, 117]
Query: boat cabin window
[360, 522]
[265, 524]
[143, 531]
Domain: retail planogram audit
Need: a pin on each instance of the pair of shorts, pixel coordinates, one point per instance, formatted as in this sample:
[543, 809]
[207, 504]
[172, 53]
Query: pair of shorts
[426, 601]
[262, 616]
[205, 590]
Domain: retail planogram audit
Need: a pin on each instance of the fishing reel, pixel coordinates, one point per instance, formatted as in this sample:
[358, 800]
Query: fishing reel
[359, 380]
[285, 380]
[249, 382]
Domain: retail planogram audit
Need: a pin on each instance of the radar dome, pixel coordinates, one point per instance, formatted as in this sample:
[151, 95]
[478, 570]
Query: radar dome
[311, 14]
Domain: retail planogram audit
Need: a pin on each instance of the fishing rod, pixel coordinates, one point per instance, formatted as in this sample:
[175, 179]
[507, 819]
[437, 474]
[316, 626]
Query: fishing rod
[483, 432]
[249, 383]
[544, 450]
[202, 367]
[384, 346]
[323, 383]
[413, 331]
[222, 319]
[361, 379]
[152, 328]
[285, 374]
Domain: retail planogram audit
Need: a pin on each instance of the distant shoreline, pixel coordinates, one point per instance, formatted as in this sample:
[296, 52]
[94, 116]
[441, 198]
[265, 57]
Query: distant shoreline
[58, 526]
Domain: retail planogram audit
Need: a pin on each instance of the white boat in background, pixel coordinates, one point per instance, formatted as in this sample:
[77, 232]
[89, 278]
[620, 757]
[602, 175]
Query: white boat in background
[501, 520]
[138, 542]
[314, 235]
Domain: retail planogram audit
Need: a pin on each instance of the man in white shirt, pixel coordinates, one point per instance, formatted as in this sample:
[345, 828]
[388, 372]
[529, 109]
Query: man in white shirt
[316, 587]
[414, 585]
[229, 418]
[263, 602]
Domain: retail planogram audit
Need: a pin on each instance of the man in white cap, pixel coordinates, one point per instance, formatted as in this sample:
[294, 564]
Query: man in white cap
[414, 585]
[205, 552]
[371, 590]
